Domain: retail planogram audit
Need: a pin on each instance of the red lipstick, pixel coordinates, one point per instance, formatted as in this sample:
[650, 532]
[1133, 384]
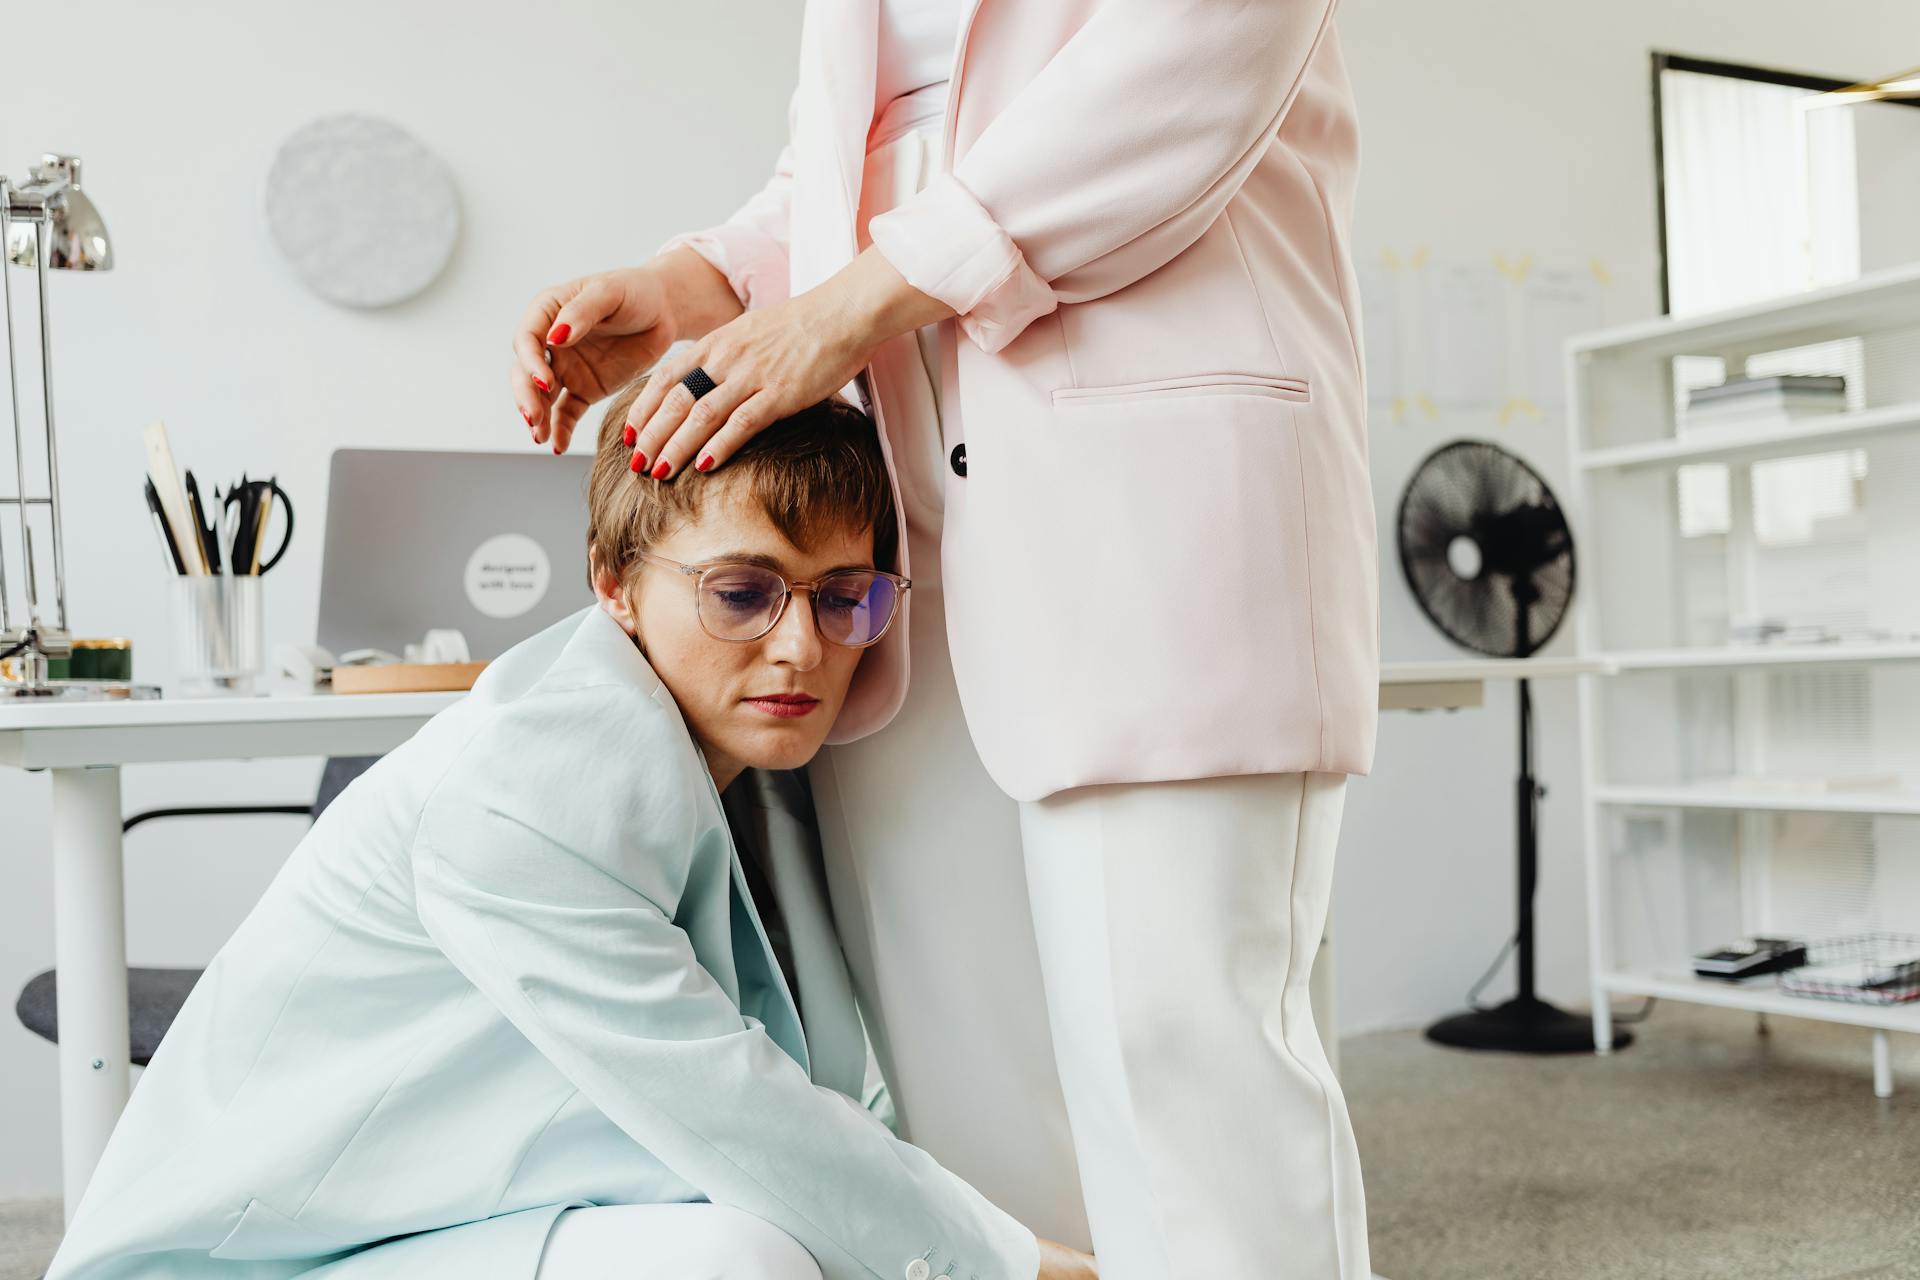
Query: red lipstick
[787, 706]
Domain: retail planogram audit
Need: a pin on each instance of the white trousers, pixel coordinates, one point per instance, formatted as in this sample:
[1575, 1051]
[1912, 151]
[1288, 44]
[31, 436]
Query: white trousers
[671, 1242]
[1177, 927]
[1147, 946]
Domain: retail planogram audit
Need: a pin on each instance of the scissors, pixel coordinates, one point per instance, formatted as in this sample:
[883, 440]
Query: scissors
[248, 537]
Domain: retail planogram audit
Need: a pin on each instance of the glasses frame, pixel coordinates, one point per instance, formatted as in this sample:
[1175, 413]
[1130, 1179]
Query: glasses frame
[699, 573]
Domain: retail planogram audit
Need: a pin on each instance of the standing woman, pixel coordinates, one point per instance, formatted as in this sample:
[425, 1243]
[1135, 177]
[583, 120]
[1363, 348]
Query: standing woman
[1091, 256]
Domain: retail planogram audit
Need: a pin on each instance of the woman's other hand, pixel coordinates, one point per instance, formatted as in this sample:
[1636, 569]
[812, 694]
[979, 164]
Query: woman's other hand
[770, 363]
[604, 330]
[1057, 1262]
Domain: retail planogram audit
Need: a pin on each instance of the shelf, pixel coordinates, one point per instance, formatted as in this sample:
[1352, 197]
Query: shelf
[1449, 669]
[1760, 995]
[1884, 801]
[1779, 655]
[1735, 444]
[1882, 300]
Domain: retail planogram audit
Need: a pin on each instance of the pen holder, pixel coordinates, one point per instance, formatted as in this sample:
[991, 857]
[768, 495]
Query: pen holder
[218, 633]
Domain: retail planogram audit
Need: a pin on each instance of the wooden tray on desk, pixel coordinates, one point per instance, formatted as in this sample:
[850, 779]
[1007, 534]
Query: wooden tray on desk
[407, 677]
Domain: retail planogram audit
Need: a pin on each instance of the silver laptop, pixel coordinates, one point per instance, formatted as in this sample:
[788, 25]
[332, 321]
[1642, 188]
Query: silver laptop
[492, 544]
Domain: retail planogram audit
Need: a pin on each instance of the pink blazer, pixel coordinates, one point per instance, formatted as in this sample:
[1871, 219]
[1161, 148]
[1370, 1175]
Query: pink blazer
[1160, 563]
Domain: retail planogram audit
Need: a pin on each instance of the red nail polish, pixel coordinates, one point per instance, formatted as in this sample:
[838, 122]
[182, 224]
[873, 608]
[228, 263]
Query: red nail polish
[639, 463]
[523, 414]
[544, 386]
[628, 436]
[662, 471]
[706, 463]
[559, 334]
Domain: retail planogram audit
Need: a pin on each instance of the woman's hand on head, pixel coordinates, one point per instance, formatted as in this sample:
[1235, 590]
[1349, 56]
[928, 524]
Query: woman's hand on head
[1057, 1262]
[604, 330]
[770, 363]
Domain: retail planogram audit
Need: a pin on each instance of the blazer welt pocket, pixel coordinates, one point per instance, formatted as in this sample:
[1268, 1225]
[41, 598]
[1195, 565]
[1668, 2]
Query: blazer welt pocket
[1206, 384]
[265, 1234]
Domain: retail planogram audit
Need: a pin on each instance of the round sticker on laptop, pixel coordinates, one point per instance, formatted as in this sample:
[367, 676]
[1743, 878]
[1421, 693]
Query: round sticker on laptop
[507, 575]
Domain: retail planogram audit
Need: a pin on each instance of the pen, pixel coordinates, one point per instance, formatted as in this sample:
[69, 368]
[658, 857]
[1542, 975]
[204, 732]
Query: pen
[260, 524]
[203, 528]
[160, 526]
[245, 531]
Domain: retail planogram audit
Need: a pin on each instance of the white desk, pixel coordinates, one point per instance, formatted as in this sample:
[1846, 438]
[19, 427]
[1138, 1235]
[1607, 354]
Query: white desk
[83, 745]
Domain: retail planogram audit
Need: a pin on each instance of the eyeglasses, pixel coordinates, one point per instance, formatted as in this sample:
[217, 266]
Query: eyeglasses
[742, 602]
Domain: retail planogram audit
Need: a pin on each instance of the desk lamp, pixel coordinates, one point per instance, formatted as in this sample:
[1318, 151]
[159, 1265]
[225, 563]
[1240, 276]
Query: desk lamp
[45, 223]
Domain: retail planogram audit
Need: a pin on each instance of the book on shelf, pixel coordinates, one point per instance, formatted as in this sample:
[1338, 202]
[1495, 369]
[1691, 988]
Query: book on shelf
[1776, 400]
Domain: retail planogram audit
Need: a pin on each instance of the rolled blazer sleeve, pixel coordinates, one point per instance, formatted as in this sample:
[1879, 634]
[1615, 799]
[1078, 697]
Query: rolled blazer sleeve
[577, 948]
[1109, 163]
[750, 248]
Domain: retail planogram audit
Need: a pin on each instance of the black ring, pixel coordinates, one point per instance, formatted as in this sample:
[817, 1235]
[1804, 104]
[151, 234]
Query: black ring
[699, 381]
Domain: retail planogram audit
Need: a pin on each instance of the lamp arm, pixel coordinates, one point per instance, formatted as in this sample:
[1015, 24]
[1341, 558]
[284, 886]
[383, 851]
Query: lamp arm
[33, 204]
[43, 233]
[13, 397]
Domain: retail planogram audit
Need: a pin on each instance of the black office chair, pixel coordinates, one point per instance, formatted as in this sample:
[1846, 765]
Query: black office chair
[154, 996]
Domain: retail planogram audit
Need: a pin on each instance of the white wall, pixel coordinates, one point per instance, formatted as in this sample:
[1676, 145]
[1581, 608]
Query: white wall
[1513, 128]
[582, 134]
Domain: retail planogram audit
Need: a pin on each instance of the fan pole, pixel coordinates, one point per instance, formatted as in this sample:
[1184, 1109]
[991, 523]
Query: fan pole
[1526, 826]
[1526, 1023]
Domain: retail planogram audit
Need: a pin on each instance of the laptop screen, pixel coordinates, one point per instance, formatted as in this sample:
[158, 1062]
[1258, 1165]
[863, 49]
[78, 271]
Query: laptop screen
[491, 544]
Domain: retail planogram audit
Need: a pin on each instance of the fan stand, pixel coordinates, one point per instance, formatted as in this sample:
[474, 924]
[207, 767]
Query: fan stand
[1526, 1023]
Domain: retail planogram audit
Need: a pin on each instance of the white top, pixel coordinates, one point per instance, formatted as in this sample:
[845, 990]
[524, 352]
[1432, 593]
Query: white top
[916, 46]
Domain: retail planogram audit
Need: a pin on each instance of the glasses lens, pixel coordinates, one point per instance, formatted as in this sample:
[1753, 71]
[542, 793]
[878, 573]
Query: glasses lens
[855, 607]
[738, 602]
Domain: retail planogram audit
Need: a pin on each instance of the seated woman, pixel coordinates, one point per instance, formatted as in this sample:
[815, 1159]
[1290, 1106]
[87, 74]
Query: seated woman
[510, 1009]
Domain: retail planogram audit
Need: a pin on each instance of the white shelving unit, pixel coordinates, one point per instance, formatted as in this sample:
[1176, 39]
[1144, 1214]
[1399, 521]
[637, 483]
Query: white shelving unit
[1741, 789]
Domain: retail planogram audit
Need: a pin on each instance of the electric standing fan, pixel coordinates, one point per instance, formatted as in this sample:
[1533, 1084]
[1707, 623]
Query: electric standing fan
[1489, 557]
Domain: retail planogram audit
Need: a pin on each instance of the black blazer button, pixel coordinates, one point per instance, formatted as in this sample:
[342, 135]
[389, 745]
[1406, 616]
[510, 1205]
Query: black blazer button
[959, 460]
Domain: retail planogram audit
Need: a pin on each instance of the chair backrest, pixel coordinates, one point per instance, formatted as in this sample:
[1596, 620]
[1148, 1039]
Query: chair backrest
[340, 771]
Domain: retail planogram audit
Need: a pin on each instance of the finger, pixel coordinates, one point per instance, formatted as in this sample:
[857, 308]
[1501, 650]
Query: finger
[661, 380]
[594, 300]
[660, 428]
[565, 419]
[754, 414]
[530, 362]
[697, 429]
[530, 337]
[663, 386]
[531, 404]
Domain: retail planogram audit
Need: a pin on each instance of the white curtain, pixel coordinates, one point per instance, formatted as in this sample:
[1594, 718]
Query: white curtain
[1761, 195]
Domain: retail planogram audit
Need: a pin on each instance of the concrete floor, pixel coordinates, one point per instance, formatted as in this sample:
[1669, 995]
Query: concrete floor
[1704, 1152]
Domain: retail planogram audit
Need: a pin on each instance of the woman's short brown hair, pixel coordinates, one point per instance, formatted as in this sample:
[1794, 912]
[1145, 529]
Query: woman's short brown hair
[819, 470]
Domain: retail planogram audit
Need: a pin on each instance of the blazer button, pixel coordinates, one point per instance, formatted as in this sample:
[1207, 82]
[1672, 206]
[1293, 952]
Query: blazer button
[918, 1268]
[959, 460]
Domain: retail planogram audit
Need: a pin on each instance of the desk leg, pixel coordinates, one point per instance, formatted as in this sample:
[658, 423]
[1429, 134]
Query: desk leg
[90, 953]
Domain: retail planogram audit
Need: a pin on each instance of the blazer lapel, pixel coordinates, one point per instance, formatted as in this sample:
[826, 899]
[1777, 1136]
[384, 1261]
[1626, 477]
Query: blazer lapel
[955, 77]
[763, 988]
[839, 45]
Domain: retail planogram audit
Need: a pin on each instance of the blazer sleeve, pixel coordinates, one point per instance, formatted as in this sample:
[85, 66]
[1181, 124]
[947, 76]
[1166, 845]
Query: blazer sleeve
[750, 248]
[576, 947]
[1115, 158]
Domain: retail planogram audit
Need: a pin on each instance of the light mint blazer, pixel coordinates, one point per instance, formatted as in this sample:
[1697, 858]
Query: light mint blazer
[512, 969]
